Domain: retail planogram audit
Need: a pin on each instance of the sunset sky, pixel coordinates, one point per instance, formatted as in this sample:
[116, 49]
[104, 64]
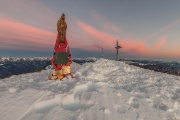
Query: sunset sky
[146, 29]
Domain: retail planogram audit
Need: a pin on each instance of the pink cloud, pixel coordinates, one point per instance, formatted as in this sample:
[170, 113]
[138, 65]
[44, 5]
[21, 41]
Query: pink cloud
[17, 32]
[167, 53]
[107, 41]
[161, 42]
[14, 33]
[16, 20]
[18, 36]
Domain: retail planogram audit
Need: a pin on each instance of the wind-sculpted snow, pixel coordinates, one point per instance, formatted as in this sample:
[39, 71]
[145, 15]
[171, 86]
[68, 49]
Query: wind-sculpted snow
[103, 90]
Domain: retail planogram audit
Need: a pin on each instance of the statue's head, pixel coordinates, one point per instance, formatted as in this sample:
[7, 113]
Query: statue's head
[63, 16]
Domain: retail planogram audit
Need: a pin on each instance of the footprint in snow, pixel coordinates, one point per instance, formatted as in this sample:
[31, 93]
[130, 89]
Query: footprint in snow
[105, 110]
[122, 109]
[119, 94]
[31, 80]
[74, 101]
[12, 90]
[134, 102]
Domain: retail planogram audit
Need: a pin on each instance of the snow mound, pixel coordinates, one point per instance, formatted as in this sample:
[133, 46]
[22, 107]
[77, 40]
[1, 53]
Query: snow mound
[103, 90]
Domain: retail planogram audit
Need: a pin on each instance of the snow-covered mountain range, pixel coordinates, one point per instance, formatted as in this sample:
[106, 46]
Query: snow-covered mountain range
[16, 66]
[101, 90]
[15, 59]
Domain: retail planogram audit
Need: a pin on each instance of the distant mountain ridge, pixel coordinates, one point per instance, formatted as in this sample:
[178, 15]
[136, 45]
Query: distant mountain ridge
[158, 66]
[8, 59]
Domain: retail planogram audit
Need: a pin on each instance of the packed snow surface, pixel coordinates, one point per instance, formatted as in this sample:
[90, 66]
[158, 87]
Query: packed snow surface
[103, 90]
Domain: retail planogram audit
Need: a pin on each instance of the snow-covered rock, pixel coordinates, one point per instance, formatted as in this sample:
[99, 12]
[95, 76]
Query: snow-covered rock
[103, 90]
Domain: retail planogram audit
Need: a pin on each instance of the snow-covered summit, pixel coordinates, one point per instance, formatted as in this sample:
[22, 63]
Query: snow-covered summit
[103, 90]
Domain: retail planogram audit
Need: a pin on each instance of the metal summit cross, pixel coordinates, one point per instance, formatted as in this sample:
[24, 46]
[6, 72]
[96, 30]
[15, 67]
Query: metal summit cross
[117, 47]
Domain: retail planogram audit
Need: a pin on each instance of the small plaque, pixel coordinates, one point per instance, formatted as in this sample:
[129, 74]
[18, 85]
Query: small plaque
[61, 58]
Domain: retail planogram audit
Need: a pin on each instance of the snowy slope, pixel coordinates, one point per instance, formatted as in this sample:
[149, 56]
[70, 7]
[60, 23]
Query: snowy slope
[103, 90]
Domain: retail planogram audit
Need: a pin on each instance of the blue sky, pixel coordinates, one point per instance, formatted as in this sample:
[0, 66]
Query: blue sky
[146, 29]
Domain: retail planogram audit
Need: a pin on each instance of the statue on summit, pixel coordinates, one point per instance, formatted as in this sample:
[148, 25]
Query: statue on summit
[61, 59]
